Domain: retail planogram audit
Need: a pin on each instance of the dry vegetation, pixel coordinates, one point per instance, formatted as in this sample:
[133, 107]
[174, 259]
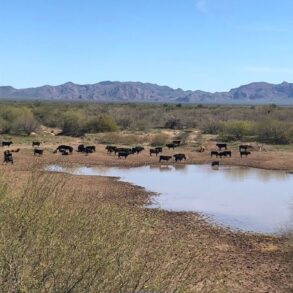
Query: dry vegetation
[88, 234]
[266, 124]
[60, 233]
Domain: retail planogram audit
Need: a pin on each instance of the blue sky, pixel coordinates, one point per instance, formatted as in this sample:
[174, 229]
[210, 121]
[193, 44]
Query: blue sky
[211, 45]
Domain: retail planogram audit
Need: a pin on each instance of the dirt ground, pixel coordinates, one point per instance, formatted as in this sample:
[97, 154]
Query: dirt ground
[243, 262]
[269, 158]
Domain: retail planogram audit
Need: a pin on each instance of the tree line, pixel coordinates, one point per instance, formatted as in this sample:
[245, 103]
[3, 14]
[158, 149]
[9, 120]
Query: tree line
[266, 123]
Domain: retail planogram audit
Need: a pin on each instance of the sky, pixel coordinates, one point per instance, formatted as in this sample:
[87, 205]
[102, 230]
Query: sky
[211, 45]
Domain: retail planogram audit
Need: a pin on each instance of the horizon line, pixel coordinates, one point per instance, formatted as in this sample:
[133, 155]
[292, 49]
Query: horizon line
[116, 81]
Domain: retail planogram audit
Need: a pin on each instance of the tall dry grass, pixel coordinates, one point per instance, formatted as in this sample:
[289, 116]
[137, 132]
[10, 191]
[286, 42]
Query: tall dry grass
[53, 240]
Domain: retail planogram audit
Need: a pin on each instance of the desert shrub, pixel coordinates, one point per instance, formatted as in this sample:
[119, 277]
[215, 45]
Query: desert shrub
[210, 126]
[25, 123]
[121, 139]
[74, 123]
[4, 126]
[234, 130]
[103, 123]
[183, 136]
[275, 132]
[124, 122]
[173, 123]
[17, 120]
[159, 139]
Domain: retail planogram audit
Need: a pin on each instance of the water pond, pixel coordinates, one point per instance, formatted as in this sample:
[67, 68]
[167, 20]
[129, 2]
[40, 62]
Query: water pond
[242, 198]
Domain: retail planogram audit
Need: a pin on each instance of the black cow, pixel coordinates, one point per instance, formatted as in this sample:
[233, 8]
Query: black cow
[86, 149]
[64, 148]
[38, 152]
[177, 142]
[179, 157]
[154, 151]
[215, 163]
[244, 147]
[8, 157]
[7, 143]
[137, 150]
[123, 154]
[90, 149]
[80, 148]
[36, 143]
[171, 145]
[244, 153]
[227, 153]
[123, 150]
[110, 148]
[221, 145]
[159, 149]
[165, 158]
[214, 153]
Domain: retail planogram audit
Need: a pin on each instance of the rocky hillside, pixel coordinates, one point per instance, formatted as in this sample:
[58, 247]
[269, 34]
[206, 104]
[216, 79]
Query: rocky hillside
[145, 92]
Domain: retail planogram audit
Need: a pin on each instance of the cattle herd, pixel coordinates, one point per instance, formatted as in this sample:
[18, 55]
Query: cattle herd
[125, 152]
[122, 152]
[243, 150]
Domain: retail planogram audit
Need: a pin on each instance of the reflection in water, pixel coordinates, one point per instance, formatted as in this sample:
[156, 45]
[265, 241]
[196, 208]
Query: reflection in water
[240, 173]
[180, 167]
[165, 168]
[244, 198]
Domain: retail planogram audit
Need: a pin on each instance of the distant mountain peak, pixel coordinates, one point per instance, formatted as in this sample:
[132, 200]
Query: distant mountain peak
[115, 91]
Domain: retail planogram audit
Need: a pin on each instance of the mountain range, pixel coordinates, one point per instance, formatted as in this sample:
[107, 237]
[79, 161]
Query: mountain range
[112, 91]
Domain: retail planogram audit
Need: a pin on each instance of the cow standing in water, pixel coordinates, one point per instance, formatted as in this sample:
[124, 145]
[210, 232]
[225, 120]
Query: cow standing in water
[215, 164]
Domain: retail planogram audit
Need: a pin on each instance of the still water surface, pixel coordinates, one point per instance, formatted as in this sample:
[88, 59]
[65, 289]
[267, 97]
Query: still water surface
[241, 198]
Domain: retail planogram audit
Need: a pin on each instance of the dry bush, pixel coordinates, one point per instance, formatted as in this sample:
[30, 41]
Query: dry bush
[121, 139]
[183, 136]
[53, 240]
[159, 139]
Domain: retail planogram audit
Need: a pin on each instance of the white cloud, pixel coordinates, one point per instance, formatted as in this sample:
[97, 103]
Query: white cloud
[268, 70]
